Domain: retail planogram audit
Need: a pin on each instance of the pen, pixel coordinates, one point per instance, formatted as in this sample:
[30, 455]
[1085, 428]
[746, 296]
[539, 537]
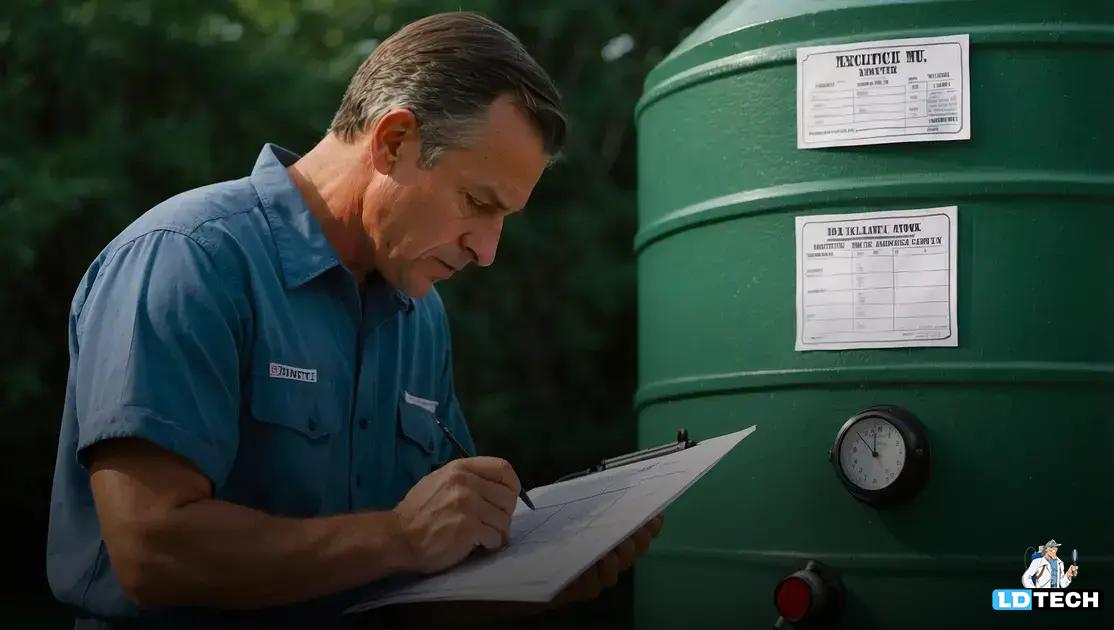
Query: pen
[464, 453]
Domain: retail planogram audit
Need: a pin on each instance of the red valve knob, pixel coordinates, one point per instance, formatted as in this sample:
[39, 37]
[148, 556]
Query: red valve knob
[811, 597]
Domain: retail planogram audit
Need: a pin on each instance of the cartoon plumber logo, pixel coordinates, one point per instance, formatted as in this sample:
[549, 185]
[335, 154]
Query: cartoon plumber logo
[1046, 570]
[1045, 584]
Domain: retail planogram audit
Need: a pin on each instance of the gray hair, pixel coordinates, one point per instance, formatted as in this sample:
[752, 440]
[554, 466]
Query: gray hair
[447, 69]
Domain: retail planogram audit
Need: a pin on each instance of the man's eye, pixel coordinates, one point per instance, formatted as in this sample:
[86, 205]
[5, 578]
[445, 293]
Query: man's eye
[476, 203]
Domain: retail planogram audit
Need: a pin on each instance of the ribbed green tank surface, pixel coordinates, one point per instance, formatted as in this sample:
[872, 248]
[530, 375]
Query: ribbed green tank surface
[1020, 415]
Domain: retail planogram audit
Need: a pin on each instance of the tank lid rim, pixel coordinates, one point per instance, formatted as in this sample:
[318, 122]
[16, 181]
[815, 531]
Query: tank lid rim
[683, 74]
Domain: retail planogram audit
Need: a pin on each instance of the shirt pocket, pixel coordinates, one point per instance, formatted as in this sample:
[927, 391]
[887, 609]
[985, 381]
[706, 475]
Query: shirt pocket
[303, 408]
[289, 446]
[420, 445]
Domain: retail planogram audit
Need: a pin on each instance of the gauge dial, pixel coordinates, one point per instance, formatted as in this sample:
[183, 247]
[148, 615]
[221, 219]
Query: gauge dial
[872, 454]
[881, 455]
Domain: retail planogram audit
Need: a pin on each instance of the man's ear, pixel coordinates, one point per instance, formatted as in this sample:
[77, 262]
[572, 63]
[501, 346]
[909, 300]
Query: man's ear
[390, 138]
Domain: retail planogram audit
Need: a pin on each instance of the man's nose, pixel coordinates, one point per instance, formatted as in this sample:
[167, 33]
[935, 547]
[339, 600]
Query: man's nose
[483, 239]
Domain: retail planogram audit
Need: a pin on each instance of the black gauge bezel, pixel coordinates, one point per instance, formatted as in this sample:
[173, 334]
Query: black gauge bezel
[913, 475]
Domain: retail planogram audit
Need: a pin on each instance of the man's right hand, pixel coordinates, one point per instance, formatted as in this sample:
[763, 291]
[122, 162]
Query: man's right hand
[466, 504]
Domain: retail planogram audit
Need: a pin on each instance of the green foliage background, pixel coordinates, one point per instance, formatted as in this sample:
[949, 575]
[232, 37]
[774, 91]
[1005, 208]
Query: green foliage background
[109, 106]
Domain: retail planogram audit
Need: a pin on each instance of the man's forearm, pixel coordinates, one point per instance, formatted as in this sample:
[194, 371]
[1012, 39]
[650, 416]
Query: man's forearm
[213, 553]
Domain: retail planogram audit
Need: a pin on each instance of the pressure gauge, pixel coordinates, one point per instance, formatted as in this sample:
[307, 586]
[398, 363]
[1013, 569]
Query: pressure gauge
[881, 455]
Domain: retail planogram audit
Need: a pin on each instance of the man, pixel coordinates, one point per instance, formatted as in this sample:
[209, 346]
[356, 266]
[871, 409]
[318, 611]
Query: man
[1047, 571]
[255, 366]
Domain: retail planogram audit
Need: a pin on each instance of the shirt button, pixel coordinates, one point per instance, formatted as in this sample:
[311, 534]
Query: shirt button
[312, 424]
[363, 423]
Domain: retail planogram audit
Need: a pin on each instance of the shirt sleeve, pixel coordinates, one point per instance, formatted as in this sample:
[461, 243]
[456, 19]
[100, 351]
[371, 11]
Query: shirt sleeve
[158, 353]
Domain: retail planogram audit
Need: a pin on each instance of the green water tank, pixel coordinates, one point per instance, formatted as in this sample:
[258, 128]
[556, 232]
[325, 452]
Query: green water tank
[1015, 415]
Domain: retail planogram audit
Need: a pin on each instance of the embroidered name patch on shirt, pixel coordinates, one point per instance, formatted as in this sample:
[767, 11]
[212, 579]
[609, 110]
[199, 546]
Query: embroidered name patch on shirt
[279, 370]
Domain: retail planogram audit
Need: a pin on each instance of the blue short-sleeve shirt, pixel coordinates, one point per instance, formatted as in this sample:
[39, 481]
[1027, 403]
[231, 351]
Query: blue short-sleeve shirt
[221, 326]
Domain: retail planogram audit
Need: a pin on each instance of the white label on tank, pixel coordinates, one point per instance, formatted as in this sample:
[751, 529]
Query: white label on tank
[876, 280]
[897, 90]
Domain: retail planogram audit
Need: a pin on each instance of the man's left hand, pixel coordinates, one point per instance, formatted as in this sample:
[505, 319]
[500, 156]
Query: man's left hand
[605, 573]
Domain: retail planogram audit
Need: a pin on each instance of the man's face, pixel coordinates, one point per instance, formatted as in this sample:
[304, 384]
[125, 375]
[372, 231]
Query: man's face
[428, 224]
[1050, 552]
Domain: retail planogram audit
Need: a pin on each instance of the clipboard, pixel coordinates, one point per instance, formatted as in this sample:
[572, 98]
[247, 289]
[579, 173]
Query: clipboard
[575, 525]
[653, 452]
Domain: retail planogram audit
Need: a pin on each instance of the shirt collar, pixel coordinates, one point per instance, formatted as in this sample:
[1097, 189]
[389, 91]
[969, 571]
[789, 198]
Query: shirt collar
[303, 250]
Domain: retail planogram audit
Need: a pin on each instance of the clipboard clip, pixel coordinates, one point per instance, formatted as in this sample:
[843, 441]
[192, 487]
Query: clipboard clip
[653, 452]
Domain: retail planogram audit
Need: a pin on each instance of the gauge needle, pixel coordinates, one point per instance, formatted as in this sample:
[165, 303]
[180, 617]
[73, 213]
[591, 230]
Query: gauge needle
[872, 451]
